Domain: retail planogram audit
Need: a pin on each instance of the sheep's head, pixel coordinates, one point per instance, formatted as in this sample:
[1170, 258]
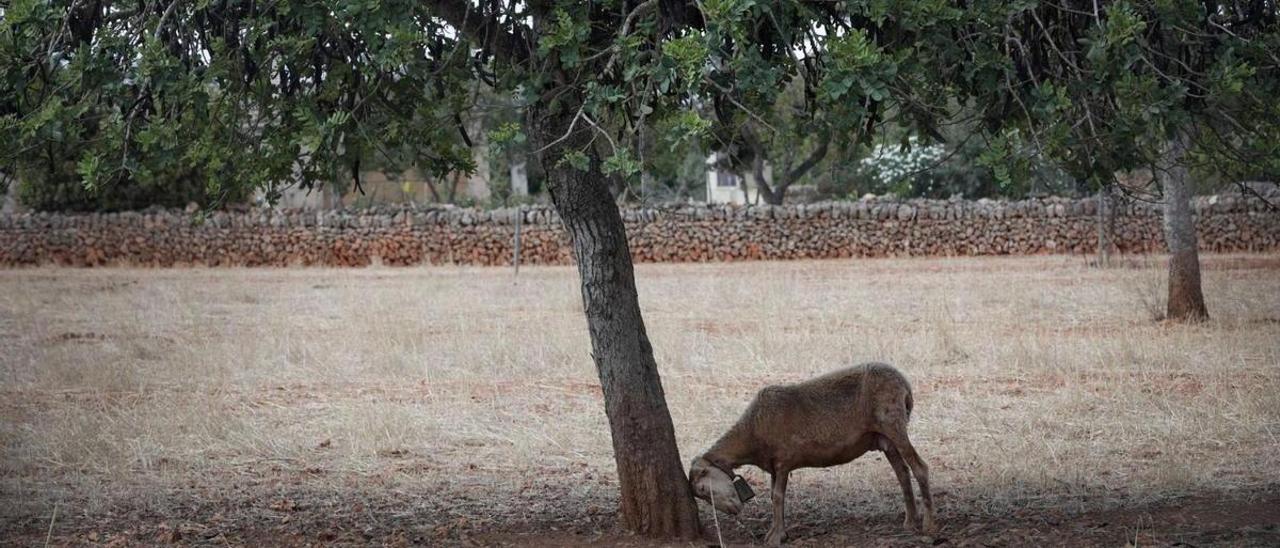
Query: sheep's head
[714, 485]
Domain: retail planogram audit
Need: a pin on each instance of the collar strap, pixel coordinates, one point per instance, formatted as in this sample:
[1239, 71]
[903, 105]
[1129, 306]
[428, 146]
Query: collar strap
[720, 464]
[740, 485]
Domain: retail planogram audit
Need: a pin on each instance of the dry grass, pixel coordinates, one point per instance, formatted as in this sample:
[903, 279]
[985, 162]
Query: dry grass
[1040, 382]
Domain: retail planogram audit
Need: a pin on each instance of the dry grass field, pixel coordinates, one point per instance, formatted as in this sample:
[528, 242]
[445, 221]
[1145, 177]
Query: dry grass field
[446, 406]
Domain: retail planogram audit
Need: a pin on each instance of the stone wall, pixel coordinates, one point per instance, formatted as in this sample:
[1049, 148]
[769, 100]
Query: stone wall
[407, 236]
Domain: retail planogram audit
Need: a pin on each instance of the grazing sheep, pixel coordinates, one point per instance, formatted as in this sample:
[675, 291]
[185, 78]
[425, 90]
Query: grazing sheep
[821, 422]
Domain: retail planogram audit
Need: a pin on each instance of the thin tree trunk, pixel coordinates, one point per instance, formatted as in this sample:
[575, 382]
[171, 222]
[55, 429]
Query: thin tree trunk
[519, 176]
[656, 499]
[775, 192]
[435, 194]
[1104, 240]
[792, 174]
[1186, 301]
[763, 189]
[453, 187]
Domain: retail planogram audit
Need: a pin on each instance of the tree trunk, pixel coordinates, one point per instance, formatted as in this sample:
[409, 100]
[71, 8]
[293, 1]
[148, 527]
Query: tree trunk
[656, 499]
[1104, 239]
[453, 186]
[519, 177]
[1186, 302]
[435, 194]
[765, 191]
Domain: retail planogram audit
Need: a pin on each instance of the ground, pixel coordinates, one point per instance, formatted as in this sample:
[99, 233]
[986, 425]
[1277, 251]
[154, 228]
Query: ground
[459, 406]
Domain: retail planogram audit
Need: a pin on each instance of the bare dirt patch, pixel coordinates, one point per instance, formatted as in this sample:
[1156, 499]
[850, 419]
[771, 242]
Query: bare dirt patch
[459, 406]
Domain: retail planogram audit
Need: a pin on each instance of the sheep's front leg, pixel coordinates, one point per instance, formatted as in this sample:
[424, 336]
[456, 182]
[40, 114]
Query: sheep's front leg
[778, 532]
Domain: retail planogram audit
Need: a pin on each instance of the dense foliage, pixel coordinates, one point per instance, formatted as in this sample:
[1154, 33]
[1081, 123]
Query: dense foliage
[170, 102]
[1105, 87]
[233, 94]
[212, 98]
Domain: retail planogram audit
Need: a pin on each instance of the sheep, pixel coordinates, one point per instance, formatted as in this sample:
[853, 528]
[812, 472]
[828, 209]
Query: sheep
[825, 421]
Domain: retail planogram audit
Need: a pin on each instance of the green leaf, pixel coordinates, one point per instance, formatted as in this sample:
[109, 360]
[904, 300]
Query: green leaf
[575, 159]
[621, 162]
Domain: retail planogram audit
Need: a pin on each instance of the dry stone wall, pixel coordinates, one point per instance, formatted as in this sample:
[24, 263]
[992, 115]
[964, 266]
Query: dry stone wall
[410, 236]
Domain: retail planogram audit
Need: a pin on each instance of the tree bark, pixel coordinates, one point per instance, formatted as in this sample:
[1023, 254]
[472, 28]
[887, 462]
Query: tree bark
[763, 189]
[1186, 301]
[656, 499]
[435, 194]
[794, 174]
[1104, 237]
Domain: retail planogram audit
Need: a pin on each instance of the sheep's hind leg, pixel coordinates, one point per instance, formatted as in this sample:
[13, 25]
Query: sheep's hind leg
[778, 532]
[912, 520]
[918, 468]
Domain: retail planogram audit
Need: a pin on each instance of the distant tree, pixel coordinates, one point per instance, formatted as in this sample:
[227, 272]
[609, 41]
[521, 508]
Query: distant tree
[678, 170]
[776, 144]
[1108, 87]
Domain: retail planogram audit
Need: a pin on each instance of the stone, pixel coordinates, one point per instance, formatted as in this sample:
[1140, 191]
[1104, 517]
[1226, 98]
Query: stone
[684, 232]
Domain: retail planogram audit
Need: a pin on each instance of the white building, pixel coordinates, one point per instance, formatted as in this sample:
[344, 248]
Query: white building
[725, 187]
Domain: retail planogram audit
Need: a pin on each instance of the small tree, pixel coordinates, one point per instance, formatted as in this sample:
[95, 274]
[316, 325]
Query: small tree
[789, 137]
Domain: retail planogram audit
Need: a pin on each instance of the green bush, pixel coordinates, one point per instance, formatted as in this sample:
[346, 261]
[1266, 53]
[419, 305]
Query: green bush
[60, 188]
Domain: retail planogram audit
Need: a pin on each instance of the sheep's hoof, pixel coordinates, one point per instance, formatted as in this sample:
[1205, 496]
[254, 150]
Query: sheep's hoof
[775, 537]
[910, 524]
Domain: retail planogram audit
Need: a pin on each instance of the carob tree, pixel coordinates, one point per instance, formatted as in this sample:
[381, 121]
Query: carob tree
[1101, 88]
[244, 94]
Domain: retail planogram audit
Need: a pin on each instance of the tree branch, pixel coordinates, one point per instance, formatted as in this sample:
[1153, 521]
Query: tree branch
[639, 11]
[483, 29]
[165, 17]
[814, 157]
[1246, 189]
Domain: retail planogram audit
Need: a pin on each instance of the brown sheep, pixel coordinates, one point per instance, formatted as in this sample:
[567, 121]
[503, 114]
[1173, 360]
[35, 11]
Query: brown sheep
[821, 422]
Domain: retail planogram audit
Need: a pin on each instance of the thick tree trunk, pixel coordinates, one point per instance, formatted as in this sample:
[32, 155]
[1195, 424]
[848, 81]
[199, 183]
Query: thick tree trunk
[656, 499]
[1186, 302]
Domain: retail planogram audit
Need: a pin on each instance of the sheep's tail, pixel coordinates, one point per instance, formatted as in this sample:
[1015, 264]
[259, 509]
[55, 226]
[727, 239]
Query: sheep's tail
[908, 402]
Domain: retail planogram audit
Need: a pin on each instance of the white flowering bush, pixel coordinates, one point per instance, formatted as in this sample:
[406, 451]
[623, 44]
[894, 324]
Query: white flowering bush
[890, 165]
[937, 171]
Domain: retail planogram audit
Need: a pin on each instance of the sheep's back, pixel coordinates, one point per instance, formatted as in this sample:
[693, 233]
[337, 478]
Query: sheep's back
[829, 407]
